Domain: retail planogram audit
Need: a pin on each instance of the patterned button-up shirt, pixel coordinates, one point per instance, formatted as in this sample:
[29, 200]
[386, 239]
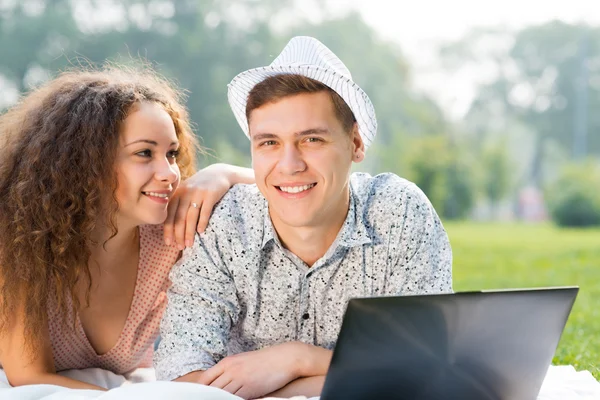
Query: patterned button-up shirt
[238, 289]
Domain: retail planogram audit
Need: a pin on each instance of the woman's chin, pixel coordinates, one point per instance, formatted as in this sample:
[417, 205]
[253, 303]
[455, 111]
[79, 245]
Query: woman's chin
[156, 219]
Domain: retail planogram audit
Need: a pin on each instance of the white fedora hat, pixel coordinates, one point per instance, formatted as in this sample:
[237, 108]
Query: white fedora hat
[308, 57]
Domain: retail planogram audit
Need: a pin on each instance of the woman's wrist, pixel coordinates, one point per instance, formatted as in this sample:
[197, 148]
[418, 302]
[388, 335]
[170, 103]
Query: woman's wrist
[239, 174]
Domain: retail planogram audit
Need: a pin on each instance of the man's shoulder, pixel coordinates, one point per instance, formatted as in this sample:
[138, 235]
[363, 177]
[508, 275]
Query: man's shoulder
[387, 189]
[241, 203]
[386, 199]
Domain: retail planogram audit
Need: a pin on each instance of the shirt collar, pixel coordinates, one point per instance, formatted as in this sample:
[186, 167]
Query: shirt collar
[353, 233]
[269, 233]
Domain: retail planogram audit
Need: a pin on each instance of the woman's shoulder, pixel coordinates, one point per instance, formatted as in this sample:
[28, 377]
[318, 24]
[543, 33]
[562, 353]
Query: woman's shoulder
[152, 235]
[153, 249]
[151, 232]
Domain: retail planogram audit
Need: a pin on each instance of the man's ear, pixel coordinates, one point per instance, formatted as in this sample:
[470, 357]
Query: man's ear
[358, 146]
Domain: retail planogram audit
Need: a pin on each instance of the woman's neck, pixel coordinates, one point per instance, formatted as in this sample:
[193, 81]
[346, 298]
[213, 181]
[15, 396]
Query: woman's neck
[107, 251]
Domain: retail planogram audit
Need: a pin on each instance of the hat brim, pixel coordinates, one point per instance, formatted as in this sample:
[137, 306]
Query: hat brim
[353, 95]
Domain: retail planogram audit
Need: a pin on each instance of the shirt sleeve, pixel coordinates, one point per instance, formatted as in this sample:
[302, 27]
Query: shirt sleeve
[202, 308]
[423, 256]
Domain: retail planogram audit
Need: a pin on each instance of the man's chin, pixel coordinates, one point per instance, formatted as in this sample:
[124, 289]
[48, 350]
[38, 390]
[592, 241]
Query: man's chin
[294, 216]
[297, 221]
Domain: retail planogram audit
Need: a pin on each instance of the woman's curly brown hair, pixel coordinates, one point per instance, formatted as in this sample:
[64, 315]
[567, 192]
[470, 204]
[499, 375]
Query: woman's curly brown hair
[57, 154]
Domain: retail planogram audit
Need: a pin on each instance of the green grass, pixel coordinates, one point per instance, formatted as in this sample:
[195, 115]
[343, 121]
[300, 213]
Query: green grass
[490, 256]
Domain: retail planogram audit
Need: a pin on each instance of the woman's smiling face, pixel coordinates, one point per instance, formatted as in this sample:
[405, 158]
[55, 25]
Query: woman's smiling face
[146, 165]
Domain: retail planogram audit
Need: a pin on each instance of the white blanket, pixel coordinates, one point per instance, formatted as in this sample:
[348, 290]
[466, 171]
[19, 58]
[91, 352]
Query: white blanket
[139, 384]
[561, 383]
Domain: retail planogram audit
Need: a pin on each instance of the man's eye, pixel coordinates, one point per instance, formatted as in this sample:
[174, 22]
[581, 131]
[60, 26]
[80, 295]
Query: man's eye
[314, 140]
[268, 143]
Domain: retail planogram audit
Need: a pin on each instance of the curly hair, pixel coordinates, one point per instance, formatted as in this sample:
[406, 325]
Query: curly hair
[57, 153]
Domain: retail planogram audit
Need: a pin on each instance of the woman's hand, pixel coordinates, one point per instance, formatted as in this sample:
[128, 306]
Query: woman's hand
[191, 206]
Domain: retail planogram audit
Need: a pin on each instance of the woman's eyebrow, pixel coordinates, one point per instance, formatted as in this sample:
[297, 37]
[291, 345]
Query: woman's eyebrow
[152, 142]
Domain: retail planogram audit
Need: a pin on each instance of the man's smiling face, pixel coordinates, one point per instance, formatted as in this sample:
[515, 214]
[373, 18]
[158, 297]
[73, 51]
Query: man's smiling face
[301, 157]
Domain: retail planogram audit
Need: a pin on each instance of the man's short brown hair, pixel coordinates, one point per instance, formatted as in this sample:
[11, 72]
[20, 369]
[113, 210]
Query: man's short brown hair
[280, 86]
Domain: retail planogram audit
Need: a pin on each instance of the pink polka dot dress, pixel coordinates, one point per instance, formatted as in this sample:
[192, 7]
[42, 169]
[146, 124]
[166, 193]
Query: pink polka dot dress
[134, 348]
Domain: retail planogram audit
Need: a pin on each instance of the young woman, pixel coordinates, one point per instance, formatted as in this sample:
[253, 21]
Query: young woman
[88, 165]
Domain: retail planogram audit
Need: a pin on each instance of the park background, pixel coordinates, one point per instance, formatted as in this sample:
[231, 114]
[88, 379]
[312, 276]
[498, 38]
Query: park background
[492, 109]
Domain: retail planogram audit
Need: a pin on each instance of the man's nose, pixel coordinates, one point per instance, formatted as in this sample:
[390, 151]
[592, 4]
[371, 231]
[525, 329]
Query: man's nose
[291, 160]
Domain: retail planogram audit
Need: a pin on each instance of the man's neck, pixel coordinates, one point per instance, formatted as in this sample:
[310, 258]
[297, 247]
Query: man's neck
[312, 242]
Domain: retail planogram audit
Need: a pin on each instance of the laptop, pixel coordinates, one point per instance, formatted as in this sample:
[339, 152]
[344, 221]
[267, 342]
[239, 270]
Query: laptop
[472, 345]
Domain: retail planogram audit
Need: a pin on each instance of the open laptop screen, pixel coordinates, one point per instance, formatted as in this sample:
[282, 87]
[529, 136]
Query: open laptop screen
[471, 345]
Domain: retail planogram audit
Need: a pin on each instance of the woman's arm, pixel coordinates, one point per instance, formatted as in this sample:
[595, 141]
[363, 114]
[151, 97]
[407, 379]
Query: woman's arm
[53, 379]
[191, 206]
[24, 368]
[236, 174]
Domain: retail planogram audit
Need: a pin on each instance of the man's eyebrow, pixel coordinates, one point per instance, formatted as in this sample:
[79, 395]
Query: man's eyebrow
[307, 132]
[313, 131]
[263, 136]
[152, 142]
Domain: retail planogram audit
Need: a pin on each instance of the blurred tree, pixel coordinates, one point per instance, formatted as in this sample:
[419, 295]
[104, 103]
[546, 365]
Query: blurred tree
[574, 198]
[444, 172]
[461, 184]
[33, 35]
[200, 44]
[427, 163]
[496, 171]
[546, 76]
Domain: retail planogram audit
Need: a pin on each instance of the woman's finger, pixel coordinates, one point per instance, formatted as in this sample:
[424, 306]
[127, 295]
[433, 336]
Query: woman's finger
[168, 232]
[194, 211]
[205, 212]
[181, 214]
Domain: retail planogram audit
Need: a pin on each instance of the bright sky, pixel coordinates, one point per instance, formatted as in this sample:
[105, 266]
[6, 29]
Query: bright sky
[419, 25]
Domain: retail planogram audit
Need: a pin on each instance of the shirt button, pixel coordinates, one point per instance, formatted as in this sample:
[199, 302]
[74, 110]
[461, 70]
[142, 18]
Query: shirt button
[306, 316]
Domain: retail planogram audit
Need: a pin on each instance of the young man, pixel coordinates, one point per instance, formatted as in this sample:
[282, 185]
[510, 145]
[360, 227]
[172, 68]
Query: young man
[256, 305]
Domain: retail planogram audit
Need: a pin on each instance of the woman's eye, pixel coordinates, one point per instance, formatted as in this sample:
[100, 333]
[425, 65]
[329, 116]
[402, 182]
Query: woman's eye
[144, 153]
[173, 154]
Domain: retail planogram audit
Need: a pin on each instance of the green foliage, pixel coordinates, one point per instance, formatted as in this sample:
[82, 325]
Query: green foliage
[199, 44]
[32, 39]
[545, 78]
[444, 172]
[461, 186]
[574, 199]
[496, 172]
[494, 256]
[427, 160]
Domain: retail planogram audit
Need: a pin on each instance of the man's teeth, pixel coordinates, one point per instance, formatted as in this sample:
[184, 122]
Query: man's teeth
[161, 195]
[295, 189]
